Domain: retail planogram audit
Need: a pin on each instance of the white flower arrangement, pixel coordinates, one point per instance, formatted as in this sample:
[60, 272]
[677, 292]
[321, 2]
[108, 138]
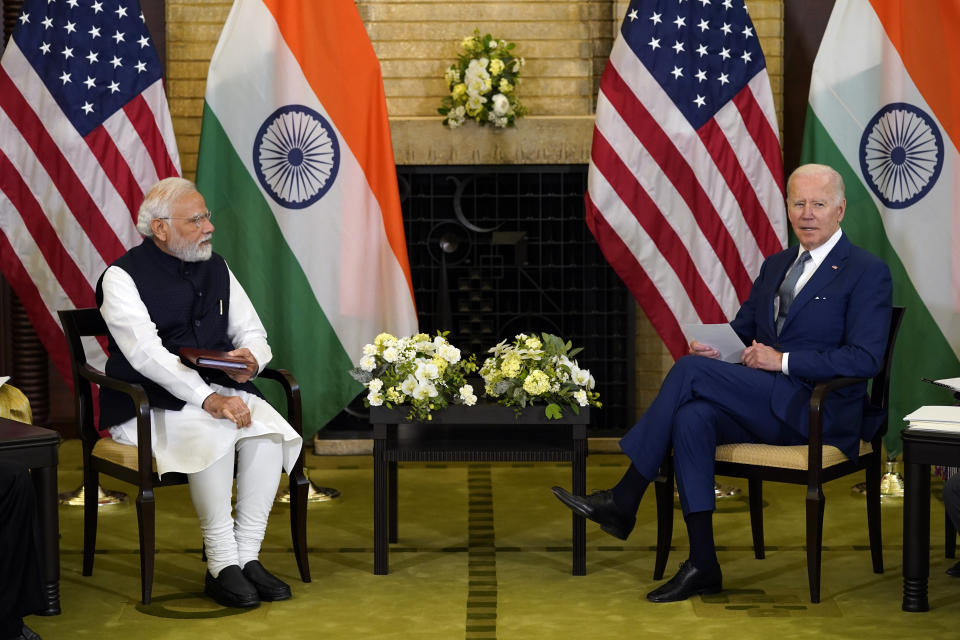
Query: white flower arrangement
[483, 83]
[417, 371]
[531, 370]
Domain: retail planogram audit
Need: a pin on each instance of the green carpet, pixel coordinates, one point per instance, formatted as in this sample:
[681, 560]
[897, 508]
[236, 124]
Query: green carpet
[484, 552]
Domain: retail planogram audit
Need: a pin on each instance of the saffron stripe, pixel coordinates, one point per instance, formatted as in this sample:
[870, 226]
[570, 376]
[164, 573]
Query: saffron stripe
[330, 35]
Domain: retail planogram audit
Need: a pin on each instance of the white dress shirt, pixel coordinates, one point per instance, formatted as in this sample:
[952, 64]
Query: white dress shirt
[817, 256]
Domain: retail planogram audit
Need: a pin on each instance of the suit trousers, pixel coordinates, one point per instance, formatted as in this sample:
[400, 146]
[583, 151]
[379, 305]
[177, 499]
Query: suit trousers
[951, 499]
[21, 573]
[703, 403]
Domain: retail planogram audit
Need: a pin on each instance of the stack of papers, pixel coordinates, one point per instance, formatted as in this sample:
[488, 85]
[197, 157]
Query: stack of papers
[935, 418]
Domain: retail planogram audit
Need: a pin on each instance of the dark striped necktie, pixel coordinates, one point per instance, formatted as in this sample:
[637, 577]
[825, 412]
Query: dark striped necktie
[785, 292]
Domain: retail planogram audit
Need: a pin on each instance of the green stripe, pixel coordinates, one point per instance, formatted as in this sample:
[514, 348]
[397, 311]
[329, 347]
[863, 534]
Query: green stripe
[922, 351]
[248, 236]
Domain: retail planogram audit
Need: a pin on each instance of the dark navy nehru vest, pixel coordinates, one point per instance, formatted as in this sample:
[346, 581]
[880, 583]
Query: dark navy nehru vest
[189, 302]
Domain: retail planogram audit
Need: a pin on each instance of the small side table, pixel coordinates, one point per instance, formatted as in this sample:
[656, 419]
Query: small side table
[921, 449]
[36, 448]
[487, 433]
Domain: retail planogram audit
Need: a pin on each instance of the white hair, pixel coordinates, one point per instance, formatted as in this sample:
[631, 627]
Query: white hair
[159, 200]
[820, 169]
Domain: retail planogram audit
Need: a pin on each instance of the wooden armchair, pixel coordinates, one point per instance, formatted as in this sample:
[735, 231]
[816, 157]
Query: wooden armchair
[136, 466]
[811, 464]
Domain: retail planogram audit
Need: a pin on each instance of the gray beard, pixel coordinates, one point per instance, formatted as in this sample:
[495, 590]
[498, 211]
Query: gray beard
[191, 252]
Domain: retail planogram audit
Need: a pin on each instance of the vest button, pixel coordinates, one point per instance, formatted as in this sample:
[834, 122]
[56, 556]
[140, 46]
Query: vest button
[196, 323]
[200, 293]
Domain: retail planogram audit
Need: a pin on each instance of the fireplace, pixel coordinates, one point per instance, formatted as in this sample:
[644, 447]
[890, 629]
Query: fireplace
[497, 250]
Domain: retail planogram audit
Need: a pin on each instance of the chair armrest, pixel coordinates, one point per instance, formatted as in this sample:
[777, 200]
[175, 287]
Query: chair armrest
[291, 389]
[815, 426]
[142, 406]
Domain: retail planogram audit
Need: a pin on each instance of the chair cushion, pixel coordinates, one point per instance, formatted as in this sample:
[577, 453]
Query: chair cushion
[123, 454]
[792, 457]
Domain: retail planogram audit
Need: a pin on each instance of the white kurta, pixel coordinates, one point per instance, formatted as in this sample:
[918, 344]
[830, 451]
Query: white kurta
[190, 440]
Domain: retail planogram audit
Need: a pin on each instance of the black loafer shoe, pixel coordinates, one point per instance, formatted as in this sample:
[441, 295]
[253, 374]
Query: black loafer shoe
[689, 581]
[26, 633]
[268, 586]
[231, 588]
[954, 571]
[600, 508]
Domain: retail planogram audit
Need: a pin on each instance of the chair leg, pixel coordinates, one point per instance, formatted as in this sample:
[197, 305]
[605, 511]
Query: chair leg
[815, 505]
[91, 481]
[663, 487]
[874, 514]
[755, 489]
[299, 487]
[146, 521]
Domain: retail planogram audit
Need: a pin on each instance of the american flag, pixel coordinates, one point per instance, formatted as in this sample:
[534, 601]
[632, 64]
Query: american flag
[685, 186]
[84, 131]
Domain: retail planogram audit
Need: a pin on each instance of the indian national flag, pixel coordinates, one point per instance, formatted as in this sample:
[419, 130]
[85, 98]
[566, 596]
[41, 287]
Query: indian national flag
[884, 111]
[297, 165]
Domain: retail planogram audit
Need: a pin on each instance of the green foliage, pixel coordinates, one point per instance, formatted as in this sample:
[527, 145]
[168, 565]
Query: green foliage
[425, 374]
[538, 370]
[483, 83]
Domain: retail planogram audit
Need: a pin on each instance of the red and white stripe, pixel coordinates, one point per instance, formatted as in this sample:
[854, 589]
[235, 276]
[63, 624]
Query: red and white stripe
[685, 217]
[68, 203]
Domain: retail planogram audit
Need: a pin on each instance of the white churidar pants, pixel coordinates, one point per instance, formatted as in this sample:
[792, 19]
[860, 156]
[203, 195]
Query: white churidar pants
[193, 442]
[236, 540]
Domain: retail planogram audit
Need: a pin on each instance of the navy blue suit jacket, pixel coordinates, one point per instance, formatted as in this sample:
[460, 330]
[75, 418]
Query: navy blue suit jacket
[837, 326]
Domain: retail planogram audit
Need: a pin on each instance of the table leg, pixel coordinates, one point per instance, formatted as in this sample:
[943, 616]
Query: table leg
[916, 537]
[380, 491]
[392, 484]
[45, 487]
[579, 485]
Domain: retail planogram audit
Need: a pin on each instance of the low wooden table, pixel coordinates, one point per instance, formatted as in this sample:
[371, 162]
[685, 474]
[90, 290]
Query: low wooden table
[488, 433]
[921, 449]
[36, 448]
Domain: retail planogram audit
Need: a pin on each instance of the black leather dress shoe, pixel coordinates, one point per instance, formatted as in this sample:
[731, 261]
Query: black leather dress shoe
[689, 581]
[268, 586]
[231, 588]
[26, 633]
[954, 571]
[600, 508]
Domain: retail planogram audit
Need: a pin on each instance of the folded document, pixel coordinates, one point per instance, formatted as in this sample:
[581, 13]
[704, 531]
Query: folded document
[935, 418]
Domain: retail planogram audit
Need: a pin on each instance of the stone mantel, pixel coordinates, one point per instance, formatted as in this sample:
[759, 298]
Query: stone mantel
[534, 140]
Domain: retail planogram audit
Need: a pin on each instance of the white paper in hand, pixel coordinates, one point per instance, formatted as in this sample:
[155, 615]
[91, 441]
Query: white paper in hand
[721, 337]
